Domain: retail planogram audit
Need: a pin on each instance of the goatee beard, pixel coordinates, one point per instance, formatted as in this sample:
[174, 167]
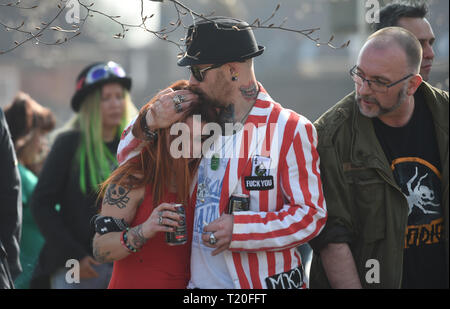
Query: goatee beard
[204, 98]
[224, 110]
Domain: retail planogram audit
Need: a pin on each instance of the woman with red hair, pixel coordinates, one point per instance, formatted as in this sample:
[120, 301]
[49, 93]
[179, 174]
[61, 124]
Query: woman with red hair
[138, 205]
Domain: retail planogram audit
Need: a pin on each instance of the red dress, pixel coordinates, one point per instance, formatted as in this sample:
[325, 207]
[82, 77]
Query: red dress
[157, 265]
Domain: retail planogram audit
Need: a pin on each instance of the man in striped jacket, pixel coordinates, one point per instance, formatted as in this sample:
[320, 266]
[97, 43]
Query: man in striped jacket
[272, 159]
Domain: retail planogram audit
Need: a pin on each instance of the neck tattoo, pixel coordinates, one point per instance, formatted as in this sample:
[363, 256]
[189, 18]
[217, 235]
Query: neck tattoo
[249, 92]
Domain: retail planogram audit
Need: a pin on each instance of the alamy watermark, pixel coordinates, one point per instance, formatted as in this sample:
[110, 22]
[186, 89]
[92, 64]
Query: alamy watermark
[73, 274]
[239, 139]
[373, 12]
[73, 11]
[373, 272]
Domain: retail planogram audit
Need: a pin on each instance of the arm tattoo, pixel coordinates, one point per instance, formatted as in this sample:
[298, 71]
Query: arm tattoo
[101, 257]
[138, 240]
[116, 196]
[249, 92]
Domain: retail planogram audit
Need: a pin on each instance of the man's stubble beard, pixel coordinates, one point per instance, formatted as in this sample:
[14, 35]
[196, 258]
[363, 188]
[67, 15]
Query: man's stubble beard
[381, 110]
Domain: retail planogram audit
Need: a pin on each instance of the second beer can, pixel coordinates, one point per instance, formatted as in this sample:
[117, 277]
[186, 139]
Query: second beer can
[179, 237]
[238, 202]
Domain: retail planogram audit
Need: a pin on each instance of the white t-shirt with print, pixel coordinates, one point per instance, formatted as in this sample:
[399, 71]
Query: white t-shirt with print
[207, 271]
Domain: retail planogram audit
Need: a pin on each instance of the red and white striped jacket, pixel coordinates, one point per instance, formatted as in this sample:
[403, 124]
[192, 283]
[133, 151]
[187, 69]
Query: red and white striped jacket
[262, 253]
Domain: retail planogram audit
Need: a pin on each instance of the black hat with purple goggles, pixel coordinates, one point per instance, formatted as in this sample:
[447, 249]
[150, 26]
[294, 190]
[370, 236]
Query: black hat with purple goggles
[95, 76]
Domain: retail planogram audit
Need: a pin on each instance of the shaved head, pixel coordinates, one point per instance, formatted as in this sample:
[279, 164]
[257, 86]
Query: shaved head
[398, 37]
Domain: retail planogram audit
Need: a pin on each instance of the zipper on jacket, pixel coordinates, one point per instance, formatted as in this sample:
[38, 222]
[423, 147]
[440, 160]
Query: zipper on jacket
[404, 224]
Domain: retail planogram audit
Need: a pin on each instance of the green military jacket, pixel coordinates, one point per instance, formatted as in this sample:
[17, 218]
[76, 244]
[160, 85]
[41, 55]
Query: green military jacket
[366, 208]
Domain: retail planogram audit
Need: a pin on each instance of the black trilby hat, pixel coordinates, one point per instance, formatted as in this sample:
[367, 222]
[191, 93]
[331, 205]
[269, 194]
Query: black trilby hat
[95, 76]
[219, 40]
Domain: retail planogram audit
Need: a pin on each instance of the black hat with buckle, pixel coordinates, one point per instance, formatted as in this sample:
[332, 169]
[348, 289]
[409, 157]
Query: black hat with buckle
[219, 40]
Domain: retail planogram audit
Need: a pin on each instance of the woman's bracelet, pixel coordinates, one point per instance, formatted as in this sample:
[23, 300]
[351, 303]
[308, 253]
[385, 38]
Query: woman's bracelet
[124, 242]
[148, 133]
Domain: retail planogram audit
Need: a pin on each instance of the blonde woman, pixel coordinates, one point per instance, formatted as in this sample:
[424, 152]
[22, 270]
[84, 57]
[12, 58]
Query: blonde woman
[80, 159]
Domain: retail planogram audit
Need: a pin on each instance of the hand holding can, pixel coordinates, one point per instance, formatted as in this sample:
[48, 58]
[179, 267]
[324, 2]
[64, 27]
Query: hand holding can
[179, 237]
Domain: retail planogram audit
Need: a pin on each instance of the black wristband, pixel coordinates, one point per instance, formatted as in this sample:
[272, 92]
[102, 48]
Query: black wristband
[149, 134]
[105, 225]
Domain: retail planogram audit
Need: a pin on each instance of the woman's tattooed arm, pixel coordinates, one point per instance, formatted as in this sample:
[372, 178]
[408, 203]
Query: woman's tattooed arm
[116, 196]
[100, 256]
[136, 237]
[120, 201]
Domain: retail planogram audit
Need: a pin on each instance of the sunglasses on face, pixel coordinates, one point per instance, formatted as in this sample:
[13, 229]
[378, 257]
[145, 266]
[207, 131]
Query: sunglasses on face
[199, 74]
[102, 71]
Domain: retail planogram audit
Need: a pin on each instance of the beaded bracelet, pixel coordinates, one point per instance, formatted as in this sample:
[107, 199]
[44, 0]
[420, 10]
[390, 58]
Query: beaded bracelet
[124, 242]
[130, 247]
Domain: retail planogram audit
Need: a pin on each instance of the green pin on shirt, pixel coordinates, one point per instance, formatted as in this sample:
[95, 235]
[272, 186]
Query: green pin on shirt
[215, 162]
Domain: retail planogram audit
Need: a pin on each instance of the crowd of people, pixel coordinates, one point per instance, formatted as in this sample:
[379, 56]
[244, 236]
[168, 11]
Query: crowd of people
[365, 185]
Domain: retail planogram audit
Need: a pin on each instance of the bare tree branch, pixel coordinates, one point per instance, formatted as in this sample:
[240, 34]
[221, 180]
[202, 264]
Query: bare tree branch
[16, 5]
[182, 12]
[40, 30]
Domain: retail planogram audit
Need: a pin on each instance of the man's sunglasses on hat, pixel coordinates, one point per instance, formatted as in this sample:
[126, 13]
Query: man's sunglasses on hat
[102, 71]
[199, 74]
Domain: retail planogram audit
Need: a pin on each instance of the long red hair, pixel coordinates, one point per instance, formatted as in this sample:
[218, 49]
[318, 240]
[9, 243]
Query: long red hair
[155, 166]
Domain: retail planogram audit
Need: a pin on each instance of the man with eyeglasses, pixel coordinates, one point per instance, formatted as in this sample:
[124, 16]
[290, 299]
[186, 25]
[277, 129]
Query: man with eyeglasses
[384, 161]
[273, 176]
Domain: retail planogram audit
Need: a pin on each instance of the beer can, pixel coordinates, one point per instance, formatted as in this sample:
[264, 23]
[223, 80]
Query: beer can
[238, 202]
[179, 237]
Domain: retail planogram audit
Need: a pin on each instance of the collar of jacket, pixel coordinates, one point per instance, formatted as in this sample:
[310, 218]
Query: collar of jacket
[261, 109]
[437, 101]
[366, 150]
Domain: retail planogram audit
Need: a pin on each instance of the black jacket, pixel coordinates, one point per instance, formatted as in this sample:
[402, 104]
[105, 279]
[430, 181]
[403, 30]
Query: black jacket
[68, 233]
[10, 209]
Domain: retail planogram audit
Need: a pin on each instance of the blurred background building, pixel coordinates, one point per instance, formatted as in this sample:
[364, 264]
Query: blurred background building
[297, 73]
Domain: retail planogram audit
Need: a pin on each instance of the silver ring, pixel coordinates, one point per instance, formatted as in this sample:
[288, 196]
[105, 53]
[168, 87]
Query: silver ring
[179, 98]
[160, 218]
[212, 239]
